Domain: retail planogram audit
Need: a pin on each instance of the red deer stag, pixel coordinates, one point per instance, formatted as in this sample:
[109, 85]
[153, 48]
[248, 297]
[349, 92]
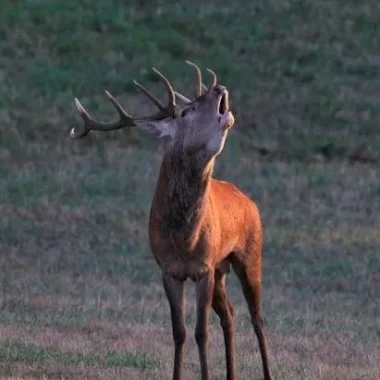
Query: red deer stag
[199, 226]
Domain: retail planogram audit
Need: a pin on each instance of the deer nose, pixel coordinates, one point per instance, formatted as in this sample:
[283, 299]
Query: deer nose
[219, 89]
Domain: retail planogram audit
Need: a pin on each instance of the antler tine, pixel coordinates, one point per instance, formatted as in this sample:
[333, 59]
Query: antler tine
[199, 78]
[214, 79]
[171, 96]
[123, 114]
[149, 95]
[182, 97]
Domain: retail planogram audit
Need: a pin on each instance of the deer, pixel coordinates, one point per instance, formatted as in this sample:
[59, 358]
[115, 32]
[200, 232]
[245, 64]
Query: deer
[199, 227]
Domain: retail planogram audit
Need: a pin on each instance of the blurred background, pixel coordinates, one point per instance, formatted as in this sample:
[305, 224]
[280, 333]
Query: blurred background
[81, 296]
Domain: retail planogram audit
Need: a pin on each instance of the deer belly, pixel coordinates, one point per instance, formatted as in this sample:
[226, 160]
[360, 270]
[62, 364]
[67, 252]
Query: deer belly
[191, 268]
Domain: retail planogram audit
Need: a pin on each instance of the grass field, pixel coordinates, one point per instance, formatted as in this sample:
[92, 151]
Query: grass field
[81, 297]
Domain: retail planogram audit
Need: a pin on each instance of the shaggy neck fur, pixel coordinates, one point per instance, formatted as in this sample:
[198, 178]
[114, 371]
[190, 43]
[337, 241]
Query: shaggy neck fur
[187, 184]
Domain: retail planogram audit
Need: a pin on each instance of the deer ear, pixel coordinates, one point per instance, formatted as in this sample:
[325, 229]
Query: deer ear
[160, 128]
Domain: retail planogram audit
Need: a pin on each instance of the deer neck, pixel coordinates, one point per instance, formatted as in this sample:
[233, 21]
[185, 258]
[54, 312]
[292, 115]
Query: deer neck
[183, 188]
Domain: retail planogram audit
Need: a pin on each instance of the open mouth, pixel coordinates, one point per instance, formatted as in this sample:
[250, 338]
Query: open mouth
[223, 103]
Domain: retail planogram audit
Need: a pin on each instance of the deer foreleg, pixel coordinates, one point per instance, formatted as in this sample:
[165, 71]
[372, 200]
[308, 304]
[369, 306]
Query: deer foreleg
[174, 292]
[204, 292]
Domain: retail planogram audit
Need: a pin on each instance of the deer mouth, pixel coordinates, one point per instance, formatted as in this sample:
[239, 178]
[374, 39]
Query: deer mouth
[223, 103]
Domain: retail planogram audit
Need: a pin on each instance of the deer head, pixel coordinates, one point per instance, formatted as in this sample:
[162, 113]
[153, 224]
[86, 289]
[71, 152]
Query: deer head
[202, 124]
[200, 127]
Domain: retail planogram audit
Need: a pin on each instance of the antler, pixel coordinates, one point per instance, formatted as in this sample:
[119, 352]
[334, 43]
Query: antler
[199, 84]
[125, 119]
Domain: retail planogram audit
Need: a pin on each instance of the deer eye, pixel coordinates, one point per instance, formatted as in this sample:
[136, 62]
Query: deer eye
[186, 111]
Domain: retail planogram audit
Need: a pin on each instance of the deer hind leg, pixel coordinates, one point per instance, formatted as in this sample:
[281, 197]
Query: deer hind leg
[251, 285]
[224, 310]
[174, 292]
[204, 292]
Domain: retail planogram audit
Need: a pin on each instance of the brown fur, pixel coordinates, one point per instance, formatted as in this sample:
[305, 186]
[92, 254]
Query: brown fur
[199, 225]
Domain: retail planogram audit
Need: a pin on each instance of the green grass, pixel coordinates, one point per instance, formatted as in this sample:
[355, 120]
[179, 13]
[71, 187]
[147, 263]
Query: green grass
[81, 296]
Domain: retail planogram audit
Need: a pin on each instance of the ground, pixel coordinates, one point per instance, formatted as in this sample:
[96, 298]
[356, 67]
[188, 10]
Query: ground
[80, 295]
